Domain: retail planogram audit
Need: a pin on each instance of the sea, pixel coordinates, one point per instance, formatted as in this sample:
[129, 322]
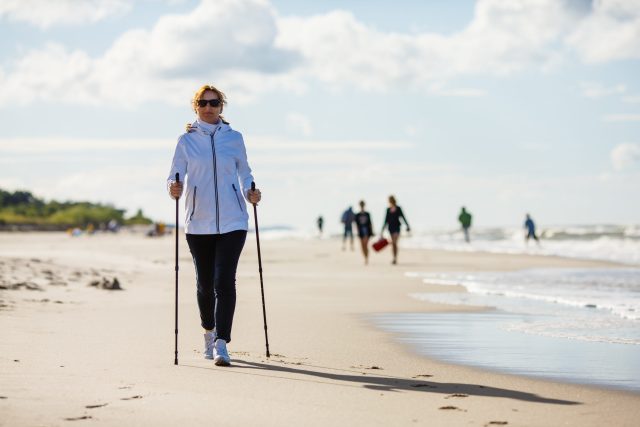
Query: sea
[578, 325]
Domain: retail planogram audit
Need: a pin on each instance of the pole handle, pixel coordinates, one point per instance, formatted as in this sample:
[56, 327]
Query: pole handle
[253, 188]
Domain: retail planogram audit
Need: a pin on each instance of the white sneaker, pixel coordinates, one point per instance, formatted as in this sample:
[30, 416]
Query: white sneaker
[209, 340]
[220, 354]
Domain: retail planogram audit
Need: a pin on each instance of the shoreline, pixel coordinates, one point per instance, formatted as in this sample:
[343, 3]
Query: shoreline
[405, 341]
[411, 350]
[329, 362]
[526, 325]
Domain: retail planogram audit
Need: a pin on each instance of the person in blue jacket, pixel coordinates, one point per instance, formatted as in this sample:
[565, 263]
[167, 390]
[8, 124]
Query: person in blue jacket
[530, 226]
[348, 217]
[211, 161]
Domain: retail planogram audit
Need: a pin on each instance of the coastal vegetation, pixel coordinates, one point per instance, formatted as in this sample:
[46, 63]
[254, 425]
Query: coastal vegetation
[23, 209]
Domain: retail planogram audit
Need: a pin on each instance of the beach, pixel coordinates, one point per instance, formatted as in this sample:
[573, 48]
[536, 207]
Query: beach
[76, 351]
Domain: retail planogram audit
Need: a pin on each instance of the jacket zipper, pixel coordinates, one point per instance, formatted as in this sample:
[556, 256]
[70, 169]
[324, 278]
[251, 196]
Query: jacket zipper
[215, 179]
[237, 197]
[193, 208]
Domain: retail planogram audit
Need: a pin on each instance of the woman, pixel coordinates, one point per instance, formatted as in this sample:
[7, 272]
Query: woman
[211, 159]
[365, 230]
[392, 220]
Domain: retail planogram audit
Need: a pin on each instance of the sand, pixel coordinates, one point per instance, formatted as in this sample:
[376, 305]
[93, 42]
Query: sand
[76, 354]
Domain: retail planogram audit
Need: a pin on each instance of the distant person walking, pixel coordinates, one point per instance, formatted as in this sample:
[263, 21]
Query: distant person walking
[530, 226]
[392, 222]
[320, 222]
[465, 222]
[365, 230]
[348, 217]
[211, 161]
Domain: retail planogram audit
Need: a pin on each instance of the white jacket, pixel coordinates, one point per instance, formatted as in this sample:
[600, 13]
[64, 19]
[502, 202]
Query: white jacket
[212, 162]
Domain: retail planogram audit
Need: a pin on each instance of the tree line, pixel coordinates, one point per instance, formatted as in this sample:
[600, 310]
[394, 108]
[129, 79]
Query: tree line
[21, 208]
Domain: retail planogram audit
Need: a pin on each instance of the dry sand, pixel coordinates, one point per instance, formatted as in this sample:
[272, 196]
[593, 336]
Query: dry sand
[75, 354]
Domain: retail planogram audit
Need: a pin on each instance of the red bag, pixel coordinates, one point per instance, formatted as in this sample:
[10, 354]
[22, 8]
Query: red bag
[380, 244]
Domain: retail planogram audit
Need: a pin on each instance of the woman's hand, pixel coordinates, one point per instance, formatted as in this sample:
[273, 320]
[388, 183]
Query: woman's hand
[254, 196]
[175, 189]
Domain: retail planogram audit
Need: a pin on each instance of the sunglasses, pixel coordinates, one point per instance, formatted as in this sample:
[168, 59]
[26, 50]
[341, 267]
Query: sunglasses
[213, 102]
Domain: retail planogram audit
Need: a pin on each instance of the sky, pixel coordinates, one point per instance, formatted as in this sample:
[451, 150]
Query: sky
[503, 107]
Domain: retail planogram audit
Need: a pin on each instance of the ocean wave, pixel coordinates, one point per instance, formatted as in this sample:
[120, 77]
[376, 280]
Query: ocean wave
[613, 290]
[620, 244]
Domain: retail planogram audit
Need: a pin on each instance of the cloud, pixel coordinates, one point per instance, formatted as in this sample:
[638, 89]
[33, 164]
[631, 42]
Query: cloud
[439, 89]
[47, 13]
[249, 49]
[610, 32]
[228, 42]
[57, 145]
[298, 123]
[61, 145]
[67, 77]
[622, 118]
[270, 143]
[625, 156]
[503, 37]
[597, 90]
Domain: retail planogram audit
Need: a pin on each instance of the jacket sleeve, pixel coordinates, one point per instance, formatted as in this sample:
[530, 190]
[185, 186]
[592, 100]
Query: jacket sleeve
[178, 164]
[244, 171]
[403, 217]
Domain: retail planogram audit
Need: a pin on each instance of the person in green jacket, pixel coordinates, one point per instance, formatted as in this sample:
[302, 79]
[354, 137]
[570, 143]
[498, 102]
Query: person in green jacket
[465, 221]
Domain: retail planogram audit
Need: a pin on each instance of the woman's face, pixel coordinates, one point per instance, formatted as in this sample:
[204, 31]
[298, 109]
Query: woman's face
[207, 112]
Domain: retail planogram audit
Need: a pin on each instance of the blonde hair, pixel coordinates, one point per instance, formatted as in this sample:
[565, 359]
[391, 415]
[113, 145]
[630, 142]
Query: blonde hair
[205, 88]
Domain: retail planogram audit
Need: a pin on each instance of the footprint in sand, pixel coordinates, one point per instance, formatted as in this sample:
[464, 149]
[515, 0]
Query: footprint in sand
[96, 406]
[457, 395]
[496, 423]
[137, 396]
[367, 367]
[422, 376]
[452, 408]
[84, 417]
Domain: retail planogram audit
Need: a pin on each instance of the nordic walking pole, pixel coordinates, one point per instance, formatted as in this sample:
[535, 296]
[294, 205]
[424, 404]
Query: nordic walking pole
[264, 310]
[175, 362]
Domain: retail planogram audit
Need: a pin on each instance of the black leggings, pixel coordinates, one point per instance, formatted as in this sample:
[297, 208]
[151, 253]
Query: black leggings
[216, 259]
